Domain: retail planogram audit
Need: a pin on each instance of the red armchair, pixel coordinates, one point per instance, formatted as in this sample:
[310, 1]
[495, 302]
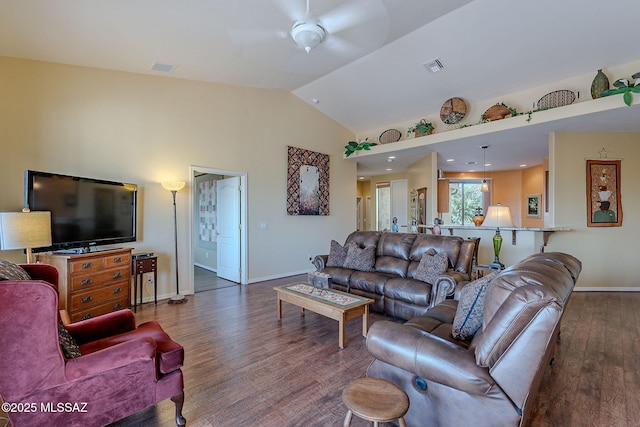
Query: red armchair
[122, 369]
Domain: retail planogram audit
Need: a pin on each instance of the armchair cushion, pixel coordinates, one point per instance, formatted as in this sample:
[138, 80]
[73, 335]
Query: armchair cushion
[337, 255]
[361, 259]
[70, 347]
[431, 266]
[11, 271]
[470, 307]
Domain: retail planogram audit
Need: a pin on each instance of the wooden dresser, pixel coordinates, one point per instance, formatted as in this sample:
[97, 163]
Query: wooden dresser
[94, 283]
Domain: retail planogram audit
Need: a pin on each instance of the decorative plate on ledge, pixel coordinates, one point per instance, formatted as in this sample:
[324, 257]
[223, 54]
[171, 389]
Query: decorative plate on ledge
[557, 98]
[390, 135]
[453, 110]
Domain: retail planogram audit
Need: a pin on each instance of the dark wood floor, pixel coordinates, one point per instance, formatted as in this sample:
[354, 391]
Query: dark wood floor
[206, 280]
[244, 367]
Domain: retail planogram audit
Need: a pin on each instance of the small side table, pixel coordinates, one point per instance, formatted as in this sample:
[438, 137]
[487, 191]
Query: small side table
[139, 268]
[482, 269]
[375, 399]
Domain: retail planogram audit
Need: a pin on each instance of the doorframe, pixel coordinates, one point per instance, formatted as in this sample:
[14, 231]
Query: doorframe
[243, 218]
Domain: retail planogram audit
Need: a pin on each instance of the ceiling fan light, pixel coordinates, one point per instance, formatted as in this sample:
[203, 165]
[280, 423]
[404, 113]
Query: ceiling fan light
[307, 36]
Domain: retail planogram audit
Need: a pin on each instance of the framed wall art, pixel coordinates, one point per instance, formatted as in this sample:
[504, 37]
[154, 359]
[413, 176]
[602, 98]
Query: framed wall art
[533, 205]
[604, 204]
[307, 182]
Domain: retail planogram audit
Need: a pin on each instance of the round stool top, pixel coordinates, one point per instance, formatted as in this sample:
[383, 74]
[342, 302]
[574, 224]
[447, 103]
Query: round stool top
[375, 399]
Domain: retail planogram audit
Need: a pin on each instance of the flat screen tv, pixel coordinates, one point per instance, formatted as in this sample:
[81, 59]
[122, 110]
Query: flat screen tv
[85, 212]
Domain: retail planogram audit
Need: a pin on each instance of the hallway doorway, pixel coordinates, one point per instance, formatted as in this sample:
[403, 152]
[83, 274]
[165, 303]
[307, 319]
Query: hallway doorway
[205, 221]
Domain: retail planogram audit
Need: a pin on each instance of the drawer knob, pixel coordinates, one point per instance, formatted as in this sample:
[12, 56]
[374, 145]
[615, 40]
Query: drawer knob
[117, 274]
[117, 306]
[87, 316]
[117, 290]
[87, 265]
[87, 299]
[117, 259]
[87, 281]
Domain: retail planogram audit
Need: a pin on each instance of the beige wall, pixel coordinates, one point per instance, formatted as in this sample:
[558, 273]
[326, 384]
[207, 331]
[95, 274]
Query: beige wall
[609, 254]
[146, 129]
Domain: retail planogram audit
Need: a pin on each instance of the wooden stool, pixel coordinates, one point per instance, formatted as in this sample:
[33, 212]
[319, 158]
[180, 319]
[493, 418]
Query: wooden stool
[375, 399]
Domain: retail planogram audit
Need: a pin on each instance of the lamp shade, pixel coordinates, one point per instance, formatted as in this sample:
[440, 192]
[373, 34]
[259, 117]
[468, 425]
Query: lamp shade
[498, 216]
[21, 230]
[173, 185]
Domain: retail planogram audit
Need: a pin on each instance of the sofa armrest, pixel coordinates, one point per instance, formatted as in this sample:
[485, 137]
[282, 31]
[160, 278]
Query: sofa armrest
[320, 262]
[428, 356]
[117, 356]
[107, 325]
[445, 286]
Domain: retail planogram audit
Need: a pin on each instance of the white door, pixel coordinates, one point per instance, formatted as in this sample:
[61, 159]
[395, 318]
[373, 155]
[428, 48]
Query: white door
[228, 221]
[399, 201]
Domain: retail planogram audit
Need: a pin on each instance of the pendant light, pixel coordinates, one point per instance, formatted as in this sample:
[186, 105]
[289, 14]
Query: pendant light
[485, 184]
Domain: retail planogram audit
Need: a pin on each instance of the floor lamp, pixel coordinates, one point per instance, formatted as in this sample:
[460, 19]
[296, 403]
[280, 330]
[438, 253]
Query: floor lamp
[174, 187]
[25, 230]
[497, 216]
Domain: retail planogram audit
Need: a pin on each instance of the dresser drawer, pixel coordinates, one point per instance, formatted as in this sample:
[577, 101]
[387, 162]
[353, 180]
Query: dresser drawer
[80, 282]
[117, 261]
[89, 266]
[103, 308]
[81, 300]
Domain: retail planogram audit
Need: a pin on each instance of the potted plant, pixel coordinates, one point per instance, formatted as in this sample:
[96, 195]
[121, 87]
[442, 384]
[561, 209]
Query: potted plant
[421, 128]
[353, 146]
[623, 86]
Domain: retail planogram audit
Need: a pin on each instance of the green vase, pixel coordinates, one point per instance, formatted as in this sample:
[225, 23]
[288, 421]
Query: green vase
[600, 84]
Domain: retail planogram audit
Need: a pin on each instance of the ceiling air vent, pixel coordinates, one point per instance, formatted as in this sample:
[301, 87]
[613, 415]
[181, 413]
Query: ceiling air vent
[163, 68]
[433, 65]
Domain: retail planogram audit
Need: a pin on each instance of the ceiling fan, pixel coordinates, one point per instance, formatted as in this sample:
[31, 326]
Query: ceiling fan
[308, 33]
[345, 27]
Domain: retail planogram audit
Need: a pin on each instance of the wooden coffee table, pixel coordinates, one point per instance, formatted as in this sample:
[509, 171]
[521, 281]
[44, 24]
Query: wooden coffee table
[330, 303]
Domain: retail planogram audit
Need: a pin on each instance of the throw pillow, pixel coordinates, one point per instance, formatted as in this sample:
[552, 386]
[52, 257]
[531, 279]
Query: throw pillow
[470, 306]
[432, 266]
[337, 255]
[11, 271]
[361, 259]
[70, 347]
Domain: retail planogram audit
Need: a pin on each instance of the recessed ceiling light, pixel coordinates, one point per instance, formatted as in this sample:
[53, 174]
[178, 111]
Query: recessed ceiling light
[487, 164]
[362, 177]
[523, 166]
[389, 169]
[470, 163]
[451, 160]
[315, 101]
[391, 157]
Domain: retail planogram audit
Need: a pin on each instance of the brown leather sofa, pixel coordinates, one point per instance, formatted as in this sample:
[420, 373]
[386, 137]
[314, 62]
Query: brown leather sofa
[492, 379]
[393, 285]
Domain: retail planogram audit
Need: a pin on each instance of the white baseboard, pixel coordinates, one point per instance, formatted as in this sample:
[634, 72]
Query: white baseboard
[606, 289]
[206, 267]
[279, 276]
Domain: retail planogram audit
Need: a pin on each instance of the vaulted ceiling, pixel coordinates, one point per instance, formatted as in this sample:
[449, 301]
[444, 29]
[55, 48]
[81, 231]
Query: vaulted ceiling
[367, 73]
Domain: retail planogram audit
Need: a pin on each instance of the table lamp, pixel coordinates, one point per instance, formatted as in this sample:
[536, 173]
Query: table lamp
[497, 216]
[25, 230]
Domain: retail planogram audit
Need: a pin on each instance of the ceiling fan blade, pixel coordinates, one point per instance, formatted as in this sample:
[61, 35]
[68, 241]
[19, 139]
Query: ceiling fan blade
[256, 36]
[342, 46]
[295, 10]
[353, 13]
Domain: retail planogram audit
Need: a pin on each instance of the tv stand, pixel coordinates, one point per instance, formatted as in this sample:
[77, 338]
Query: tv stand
[94, 283]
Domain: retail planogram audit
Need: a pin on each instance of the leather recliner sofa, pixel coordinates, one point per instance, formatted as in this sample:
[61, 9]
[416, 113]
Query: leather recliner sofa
[491, 379]
[392, 285]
